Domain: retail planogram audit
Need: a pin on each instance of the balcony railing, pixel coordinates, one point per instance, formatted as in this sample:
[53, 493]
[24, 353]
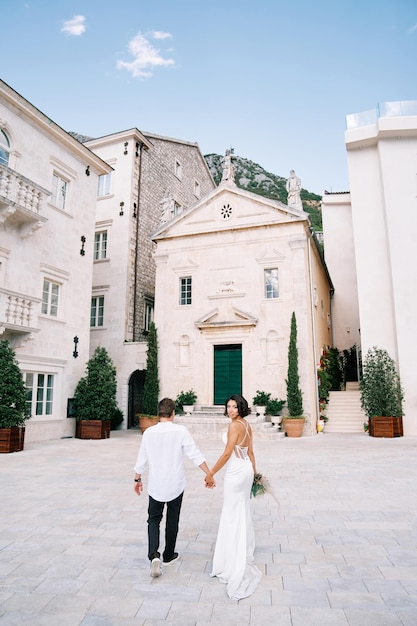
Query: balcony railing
[384, 109]
[21, 201]
[18, 313]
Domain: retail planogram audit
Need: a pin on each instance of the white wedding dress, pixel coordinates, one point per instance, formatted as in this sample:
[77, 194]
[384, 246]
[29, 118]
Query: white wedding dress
[233, 561]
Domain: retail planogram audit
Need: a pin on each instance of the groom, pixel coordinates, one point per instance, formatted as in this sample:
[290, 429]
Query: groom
[163, 447]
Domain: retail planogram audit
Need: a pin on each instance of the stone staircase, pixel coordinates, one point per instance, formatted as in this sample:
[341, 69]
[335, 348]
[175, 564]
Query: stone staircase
[344, 411]
[209, 422]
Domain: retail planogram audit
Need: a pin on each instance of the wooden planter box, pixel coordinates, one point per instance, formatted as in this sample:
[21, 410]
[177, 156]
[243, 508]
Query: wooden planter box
[12, 439]
[380, 426]
[92, 429]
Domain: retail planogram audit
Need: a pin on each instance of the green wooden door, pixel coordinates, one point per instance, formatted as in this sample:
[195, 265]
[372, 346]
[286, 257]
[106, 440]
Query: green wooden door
[227, 372]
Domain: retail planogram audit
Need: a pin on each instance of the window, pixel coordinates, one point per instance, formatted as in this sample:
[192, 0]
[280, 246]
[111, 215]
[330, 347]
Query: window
[271, 283]
[97, 311]
[185, 290]
[50, 297]
[59, 191]
[104, 183]
[39, 393]
[100, 245]
[177, 208]
[4, 148]
[178, 170]
[197, 188]
[148, 316]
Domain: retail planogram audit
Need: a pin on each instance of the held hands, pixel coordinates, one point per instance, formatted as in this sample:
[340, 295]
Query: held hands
[209, 480]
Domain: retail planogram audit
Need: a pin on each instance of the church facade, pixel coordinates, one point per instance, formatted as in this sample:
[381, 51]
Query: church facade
[230, 271]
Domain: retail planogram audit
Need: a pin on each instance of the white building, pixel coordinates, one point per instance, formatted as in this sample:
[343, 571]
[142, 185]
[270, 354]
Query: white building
[230, 272]
[370, 241]
[48, 193]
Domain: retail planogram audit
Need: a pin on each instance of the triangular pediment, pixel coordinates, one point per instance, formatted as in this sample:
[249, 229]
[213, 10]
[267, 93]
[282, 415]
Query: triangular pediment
[228, 208]
[226, 317]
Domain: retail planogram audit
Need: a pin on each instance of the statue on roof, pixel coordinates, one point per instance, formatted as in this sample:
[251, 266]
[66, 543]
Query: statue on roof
[293, 187]
[228, 169]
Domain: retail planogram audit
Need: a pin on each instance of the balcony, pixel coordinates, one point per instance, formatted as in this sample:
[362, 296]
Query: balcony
[404, 108]
[18, 316]
[21, 202]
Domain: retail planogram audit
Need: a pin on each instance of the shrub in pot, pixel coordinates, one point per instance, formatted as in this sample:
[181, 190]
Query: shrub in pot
[14, 407]
[260, 400]
[95, 397]
[185, 401]
[381, 391]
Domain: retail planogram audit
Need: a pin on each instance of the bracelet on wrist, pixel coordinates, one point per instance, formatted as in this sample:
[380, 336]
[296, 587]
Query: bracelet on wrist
[137, 480]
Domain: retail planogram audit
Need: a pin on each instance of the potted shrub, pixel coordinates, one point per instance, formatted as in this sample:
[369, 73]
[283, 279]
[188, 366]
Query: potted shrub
[381, 394]
[273, 408]
[148, 415]
[14, 407]
[260, 400]
[185, 401]
[294, 421]
[95, 398]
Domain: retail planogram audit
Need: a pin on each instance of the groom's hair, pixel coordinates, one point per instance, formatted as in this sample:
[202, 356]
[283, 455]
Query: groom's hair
[165, 407]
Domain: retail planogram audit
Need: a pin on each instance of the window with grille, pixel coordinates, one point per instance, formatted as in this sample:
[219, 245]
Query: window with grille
[97, 311]
[100, 245]
[59, 191]
[39, 392]
[148, 316]
[50, 298]
[4, 148]
[271, 283]
[104, 185]
[185, 290]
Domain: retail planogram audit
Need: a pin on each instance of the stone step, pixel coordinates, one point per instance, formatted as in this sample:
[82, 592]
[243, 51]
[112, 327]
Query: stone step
[211, 425]
[344, 412]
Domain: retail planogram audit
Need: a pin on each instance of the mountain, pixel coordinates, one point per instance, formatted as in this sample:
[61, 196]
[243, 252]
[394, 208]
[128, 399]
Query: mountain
[253, 177]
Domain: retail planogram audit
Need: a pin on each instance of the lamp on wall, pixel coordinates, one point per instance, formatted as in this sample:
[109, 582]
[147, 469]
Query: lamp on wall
[134, 209]
[121, 208]
[87, 170]
[75, 353]
[137, 149]
[126, 144]
[83, 240]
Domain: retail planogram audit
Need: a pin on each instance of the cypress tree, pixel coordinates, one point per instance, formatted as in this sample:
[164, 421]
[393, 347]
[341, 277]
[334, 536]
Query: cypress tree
[294, 395]
[151, 384]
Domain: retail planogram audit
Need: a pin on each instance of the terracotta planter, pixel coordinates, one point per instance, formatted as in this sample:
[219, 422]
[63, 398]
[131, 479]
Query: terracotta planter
[146, 421]
[12, 439]
[381, 426]
[294, 426]
[92, 429]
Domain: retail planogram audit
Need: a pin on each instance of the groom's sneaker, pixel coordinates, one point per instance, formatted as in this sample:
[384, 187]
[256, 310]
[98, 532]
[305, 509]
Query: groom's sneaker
[171, 559]
[156, 569]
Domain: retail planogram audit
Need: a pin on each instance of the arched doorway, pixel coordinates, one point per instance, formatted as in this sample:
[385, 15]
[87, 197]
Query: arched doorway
[136, 383]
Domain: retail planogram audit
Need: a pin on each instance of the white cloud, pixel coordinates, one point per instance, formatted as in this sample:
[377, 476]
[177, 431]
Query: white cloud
[145, 56]
[158, 34]
[76, 26]
[412, 29]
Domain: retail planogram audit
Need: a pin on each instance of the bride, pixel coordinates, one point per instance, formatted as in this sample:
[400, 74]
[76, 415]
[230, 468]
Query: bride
[233, 561]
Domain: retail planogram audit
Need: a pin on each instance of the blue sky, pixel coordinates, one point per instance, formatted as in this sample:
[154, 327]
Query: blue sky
[274, 80]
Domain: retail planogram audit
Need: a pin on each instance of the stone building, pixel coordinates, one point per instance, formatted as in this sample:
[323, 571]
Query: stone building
[153, 179]
[230, 271]
[48, 193]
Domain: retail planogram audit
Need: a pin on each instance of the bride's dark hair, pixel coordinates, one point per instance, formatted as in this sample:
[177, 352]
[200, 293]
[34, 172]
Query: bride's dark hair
[242, 405]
